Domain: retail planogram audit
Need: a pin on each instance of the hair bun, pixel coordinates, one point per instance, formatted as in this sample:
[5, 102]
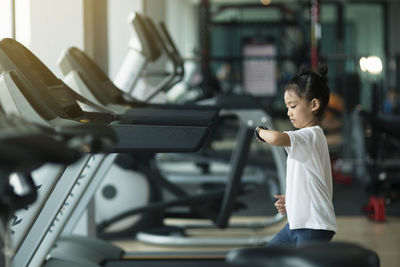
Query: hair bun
[323, 70]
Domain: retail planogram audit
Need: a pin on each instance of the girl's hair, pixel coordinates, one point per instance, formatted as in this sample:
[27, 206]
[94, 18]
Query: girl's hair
[309, 84]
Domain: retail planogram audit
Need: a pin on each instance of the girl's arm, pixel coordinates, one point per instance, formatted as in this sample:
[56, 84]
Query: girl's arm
[275, 138]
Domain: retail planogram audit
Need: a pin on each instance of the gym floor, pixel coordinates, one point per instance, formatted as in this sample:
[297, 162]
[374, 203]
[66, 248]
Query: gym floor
[382, 237]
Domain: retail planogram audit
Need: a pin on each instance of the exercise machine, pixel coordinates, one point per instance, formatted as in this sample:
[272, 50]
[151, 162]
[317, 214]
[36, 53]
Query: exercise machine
[30, 90]
[376, 148]
[25, 147]
[82, 74]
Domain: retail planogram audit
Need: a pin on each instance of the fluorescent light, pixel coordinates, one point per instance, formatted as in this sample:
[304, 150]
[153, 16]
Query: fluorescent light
[363, 64]
[372, 64]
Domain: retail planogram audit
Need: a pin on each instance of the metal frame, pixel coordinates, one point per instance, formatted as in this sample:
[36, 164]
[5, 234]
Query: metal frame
[42, 223]
[88, 196]
[56, 210]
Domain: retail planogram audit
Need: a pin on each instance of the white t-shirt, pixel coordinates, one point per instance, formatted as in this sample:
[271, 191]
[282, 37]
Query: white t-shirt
[309, 181]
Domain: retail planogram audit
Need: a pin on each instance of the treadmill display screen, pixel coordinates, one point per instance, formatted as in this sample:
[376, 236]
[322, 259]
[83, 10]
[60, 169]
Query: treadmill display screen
[43, 81]
[64, 99]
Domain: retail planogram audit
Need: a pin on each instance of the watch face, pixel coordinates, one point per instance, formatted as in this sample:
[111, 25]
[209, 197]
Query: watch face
[257, 134]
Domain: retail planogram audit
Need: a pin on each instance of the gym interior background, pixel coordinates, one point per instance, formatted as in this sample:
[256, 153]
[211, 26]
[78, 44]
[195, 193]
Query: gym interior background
[252, 46]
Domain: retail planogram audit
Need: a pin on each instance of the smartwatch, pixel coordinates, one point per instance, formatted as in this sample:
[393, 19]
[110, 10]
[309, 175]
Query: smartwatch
[256, 132]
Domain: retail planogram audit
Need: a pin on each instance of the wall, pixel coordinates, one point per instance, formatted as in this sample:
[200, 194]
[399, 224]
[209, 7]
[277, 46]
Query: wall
[184, 34]
[393, 31]
[96, 31]
[369, 29]
[99, 27]
[154, 9]
[47, 27]
[394, 47]
[6, 27]
[118, 31]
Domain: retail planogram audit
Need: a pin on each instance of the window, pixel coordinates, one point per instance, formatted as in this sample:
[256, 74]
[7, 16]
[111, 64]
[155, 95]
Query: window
[6, 19]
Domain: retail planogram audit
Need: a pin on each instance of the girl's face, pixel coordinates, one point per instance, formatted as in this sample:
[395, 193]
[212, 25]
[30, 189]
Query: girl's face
[300, 111]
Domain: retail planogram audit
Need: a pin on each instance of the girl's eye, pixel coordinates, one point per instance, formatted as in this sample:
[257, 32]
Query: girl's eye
[292, 107]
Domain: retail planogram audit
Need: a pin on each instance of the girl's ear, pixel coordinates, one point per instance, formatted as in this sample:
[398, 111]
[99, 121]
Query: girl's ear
[315, 104]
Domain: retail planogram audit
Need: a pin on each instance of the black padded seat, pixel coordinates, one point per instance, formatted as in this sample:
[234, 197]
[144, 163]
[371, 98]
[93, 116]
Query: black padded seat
[334, 254]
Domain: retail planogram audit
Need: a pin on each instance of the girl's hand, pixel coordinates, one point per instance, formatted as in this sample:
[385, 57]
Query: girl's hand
[280, 204]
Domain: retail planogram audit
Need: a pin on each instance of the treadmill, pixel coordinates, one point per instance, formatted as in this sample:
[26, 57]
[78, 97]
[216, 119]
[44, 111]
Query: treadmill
[24, 147]
[29, 90]
[82, 74]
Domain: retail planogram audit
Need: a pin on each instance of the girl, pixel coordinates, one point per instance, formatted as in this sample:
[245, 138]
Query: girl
[308, 200]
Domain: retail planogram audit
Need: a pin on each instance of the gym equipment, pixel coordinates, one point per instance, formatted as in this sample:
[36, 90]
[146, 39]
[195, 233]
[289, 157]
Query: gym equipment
[94, 84]
[29, 89]
[74, 62]
[376, 141]
[142, 51]
[82, 74]
[27, 146]
[167, 46]
[137, 57]
[246, 108]
[334, 254]
[41, 78]
[24, 147]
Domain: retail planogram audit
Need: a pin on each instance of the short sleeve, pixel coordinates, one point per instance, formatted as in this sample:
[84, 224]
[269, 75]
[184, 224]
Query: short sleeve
[302, 143]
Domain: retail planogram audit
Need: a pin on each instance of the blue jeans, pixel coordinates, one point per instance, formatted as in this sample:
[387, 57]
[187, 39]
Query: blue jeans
[299, 237]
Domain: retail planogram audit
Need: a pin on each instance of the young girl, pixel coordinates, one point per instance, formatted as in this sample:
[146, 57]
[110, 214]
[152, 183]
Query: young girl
[308, 200]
